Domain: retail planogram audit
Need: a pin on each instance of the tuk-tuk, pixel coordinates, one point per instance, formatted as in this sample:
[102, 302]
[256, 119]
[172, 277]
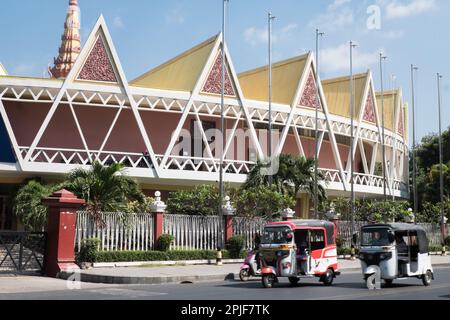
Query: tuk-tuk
[394, 251]
[297, 249]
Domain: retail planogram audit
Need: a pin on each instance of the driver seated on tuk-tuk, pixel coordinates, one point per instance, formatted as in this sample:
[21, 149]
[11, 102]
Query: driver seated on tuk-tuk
[402, 247]
[378, 239]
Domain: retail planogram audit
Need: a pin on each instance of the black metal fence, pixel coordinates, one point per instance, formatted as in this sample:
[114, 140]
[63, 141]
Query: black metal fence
[22, 251]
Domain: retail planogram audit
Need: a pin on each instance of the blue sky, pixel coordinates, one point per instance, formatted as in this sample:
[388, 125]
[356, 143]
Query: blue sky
[147, 33]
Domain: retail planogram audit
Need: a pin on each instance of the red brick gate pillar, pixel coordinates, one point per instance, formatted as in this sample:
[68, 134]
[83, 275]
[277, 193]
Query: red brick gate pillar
[158, 208]
[62, 219]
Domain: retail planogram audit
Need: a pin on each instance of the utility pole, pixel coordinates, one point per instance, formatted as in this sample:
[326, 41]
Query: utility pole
[222, 108]
[416, 204]
[383, 143]
[441, 161]
[316, 157]
[352, 144]
[270, 19]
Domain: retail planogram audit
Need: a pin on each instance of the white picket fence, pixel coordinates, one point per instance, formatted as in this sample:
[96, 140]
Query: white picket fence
[195, 232]
[248, 228]
[121, 232]
[134, 232]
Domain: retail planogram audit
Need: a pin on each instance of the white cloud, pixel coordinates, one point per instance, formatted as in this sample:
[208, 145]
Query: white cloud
[338, 58]
[175, 16]
[256, 36]
[118, 22]
[23, 69]
[393, 35]
[396, 9]
[338, 15]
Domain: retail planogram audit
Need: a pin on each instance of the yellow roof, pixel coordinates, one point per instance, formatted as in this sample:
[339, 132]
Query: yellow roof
[390, 102]
[285, 80]
[3, 71]
[337, 94]
[181, 73]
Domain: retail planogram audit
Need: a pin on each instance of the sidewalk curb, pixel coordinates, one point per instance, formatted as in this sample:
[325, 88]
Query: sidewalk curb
[107, 279]
[95, 278]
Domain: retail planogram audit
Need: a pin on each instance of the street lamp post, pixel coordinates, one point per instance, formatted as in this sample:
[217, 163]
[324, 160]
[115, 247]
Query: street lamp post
[270, 19]
[352, 143]
[383, 147]
[222, 107]
[441, 165]
[316, 156]
[416, 205]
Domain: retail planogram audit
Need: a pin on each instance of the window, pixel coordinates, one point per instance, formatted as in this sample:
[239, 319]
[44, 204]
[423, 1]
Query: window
[317, 238]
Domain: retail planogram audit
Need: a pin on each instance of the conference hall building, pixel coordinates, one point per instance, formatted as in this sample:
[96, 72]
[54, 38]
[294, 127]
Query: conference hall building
[87, 110]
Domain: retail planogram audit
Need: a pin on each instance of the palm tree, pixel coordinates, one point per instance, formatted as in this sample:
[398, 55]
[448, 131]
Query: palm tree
[294, 174]
[104, 188]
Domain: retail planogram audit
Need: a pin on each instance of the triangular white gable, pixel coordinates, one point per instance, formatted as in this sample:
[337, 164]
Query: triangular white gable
[369, 114]
[98, 65]
[309, 97]
[99, 41]
[213, 83]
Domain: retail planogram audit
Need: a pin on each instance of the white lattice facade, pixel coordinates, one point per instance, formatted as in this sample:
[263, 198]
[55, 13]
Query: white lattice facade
[55, 126]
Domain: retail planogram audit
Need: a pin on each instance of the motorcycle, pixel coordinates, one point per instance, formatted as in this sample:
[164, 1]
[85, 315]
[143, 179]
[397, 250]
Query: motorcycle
[250, 267]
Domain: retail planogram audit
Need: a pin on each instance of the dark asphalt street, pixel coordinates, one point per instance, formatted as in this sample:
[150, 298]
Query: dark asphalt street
[349, 286]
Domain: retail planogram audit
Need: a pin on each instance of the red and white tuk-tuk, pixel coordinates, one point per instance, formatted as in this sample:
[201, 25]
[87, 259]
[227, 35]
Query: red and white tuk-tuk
[299, 248]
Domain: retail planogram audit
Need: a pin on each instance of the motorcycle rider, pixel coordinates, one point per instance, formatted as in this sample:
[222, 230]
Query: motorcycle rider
[257, 241]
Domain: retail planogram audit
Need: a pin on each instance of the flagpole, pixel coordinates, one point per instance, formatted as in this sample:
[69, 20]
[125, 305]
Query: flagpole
[270, 19]
[222, 103]
[316, 156]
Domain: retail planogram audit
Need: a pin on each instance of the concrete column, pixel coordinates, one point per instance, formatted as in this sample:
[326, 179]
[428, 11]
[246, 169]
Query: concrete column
[228, 213]
[158, 208]
[62, 219]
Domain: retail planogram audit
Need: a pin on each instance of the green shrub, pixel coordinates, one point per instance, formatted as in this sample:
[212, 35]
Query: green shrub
[342, 251]
[447, 241]
[139, 256]
[88, 250]
[340, 242]
[164, 242]
[435, 248]
[235, 246]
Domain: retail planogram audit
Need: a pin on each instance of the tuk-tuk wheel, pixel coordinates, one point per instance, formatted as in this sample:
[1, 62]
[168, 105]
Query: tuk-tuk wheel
[426, 278]
[328, 277]
[388, 282]
[294, 280]
[268, 281]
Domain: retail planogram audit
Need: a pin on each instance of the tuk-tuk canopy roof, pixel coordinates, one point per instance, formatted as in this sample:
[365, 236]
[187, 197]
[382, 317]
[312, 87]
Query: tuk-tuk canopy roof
[398, 226]
[304, 223]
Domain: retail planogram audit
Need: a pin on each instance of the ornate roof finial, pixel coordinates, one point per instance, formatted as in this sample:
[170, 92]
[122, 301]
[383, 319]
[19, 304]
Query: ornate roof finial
[71, 45]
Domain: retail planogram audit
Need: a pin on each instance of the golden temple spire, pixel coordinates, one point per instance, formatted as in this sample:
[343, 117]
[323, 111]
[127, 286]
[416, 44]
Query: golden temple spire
[71, 45]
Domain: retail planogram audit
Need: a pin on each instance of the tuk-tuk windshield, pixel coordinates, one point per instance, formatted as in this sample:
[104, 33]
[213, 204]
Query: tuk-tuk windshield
[374, 237]
[276, 235]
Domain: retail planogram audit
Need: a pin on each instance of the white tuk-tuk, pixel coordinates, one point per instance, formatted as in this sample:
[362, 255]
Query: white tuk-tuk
[394, 251]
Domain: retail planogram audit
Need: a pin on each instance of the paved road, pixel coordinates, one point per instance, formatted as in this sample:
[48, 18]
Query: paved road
[348, 287]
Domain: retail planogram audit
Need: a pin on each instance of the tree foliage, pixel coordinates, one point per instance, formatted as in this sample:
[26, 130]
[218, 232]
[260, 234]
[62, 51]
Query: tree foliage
[261, 201]
[104, 188]
[295, 174]
[28, 207]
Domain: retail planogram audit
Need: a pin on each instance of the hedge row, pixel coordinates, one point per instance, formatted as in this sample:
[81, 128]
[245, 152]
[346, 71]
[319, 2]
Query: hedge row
[140, 256]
